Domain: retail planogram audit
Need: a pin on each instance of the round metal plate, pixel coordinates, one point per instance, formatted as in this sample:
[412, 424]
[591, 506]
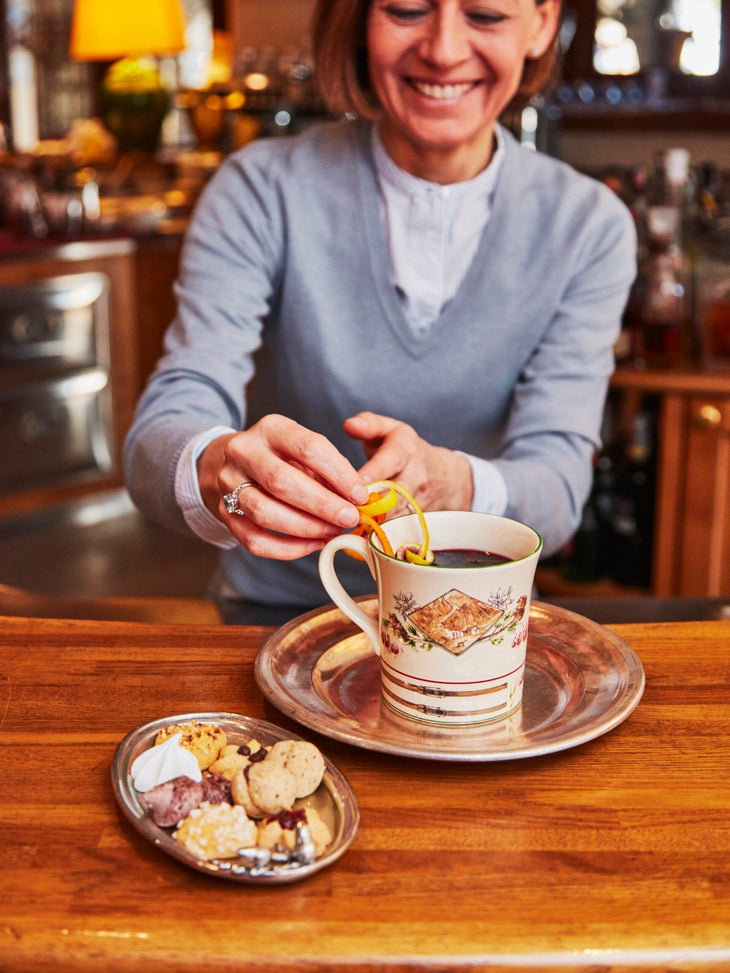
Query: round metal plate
[581, 681]
[334, 800]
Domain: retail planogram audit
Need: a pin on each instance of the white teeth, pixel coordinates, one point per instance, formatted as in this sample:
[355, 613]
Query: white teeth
[441, 91]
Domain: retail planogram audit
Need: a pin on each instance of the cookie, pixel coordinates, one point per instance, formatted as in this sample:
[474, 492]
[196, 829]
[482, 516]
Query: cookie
[204, 740]
[263, 782]
[216, 831]
[170, 802]
[240, 794]
[229, 760]
[303, 760]
[164, 762]
[271, 787]
[281, 830]
[250, 747]
[216, 789]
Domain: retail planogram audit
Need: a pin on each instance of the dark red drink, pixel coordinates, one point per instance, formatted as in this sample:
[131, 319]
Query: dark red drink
[465, 557]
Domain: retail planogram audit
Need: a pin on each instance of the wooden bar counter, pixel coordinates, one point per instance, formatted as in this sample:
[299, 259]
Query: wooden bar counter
[612, 855]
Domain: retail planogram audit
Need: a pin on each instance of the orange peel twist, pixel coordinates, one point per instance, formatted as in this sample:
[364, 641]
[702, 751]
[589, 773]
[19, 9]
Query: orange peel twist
[383, 498]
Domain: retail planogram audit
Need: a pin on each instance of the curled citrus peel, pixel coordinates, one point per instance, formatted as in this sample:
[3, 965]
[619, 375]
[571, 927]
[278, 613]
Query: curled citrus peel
[383, 498]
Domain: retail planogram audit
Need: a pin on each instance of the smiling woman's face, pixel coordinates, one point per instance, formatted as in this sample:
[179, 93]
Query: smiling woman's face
[443, 72]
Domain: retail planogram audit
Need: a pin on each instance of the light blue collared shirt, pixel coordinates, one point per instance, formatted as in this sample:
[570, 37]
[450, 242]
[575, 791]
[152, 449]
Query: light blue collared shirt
[440, 225]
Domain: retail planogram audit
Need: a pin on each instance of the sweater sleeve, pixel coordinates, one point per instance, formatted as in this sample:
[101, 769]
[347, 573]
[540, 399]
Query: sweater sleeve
[554, 423]
[225, 284]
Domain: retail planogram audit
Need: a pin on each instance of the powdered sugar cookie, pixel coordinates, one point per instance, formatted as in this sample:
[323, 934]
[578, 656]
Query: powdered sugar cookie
[216, 831]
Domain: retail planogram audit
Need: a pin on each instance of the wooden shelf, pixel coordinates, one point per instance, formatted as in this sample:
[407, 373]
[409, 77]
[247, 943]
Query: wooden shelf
[687, 380]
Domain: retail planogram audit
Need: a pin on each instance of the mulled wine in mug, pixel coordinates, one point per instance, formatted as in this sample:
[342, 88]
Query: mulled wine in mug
[451, 635]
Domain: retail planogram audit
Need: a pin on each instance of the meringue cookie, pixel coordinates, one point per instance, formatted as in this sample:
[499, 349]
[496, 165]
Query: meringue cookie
[164, 762]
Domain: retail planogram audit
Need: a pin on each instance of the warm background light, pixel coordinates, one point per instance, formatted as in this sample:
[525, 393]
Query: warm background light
[134, 101]
[103, 31]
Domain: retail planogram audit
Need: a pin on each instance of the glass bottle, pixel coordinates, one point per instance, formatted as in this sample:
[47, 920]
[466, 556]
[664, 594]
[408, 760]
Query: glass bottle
[713, 295]
[708, 195]
[658, 310]
[632, 513]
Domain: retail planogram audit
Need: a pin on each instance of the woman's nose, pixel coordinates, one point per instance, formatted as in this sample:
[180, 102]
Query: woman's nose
[446, 41]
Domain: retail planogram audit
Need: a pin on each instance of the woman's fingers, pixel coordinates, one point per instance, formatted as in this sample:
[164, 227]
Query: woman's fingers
[298, 467]
[264, 542]
[438, 478]
[269, 512]
[300, 489]
[389, 444]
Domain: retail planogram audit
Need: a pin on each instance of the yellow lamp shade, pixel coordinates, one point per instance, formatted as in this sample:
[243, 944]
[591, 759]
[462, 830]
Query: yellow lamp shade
[104, 31]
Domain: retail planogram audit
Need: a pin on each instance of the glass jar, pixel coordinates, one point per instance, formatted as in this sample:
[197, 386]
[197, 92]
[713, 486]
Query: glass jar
[713, 296]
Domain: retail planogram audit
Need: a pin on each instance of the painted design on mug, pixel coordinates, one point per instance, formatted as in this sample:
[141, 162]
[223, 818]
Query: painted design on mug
[454, 621]
[517, 686]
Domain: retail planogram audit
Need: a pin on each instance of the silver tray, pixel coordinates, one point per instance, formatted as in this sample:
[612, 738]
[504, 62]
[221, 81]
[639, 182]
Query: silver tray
[581, 681]
[334, 800]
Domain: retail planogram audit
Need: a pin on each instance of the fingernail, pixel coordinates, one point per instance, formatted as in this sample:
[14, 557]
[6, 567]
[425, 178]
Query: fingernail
[347, 517]
[360, 493]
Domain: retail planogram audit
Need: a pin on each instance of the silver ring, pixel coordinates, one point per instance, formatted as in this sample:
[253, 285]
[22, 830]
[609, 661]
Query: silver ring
[231, 499]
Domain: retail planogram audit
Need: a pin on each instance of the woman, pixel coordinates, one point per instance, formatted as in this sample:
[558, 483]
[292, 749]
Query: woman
[409, 286]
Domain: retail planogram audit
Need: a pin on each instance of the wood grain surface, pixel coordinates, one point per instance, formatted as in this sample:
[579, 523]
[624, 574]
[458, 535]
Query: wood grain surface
[609, 856]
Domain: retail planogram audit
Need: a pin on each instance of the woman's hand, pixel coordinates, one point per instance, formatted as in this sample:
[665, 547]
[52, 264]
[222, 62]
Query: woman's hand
[304, 490]
[438, 478]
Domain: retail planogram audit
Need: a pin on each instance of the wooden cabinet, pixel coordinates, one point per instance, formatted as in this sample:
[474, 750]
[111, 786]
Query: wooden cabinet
[692, 525]
[691, 553]
[156, 265]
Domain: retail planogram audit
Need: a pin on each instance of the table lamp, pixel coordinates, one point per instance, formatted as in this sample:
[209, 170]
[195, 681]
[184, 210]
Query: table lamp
[133, 99]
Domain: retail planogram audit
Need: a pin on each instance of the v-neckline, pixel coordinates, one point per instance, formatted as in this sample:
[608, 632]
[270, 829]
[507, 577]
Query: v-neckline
[417, 345]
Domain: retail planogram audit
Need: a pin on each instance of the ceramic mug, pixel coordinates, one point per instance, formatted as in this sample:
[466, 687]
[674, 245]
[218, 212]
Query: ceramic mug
[452, 641]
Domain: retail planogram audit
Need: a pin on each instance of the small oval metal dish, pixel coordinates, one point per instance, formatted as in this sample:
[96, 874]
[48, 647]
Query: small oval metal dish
[333, 799]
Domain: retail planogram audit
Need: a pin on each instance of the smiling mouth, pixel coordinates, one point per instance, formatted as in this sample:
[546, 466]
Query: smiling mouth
[443, 92]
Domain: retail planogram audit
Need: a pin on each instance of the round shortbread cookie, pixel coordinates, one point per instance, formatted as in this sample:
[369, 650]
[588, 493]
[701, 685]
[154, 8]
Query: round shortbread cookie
[303, 760]
[271, 786]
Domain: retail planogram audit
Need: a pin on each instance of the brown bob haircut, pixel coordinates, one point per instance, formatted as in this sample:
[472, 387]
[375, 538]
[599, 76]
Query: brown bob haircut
[340, 53]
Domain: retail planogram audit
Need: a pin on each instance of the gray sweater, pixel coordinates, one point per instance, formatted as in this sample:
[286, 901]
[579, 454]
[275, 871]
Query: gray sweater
[285, 305]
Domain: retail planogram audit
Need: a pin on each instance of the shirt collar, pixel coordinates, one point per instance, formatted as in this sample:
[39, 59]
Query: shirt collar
[482, 184]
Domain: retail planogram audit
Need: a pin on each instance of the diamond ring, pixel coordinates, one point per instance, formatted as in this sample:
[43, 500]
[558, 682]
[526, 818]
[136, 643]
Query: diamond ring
[231, 499]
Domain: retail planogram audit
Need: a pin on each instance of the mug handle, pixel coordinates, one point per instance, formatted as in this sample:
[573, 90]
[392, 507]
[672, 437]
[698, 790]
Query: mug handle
[333, 585]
